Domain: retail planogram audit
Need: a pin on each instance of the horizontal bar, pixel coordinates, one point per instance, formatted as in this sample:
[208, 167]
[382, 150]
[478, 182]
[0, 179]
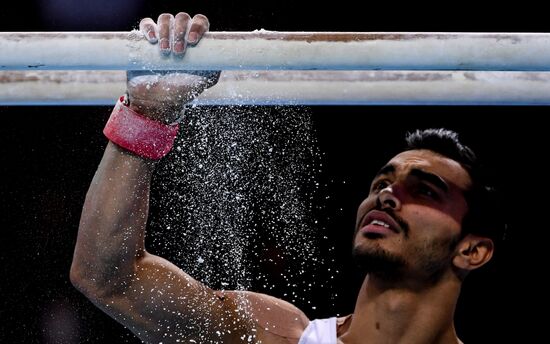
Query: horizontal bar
[269, 50]
[294, 88]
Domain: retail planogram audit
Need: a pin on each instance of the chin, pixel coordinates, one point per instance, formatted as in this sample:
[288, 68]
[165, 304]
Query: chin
[377, 260]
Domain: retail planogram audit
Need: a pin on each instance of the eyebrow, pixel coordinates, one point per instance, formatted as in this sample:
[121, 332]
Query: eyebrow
[385, 170]
[418, 173]
[430, 178]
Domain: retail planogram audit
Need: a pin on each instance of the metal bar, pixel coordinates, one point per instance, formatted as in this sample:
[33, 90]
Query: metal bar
[263, 50]
[294, 88]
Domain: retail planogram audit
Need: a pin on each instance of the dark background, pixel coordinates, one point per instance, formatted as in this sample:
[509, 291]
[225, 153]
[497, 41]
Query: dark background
[49, 155]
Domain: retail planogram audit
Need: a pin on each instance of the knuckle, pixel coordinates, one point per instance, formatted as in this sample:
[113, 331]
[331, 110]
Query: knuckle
[201, 20]
[145, 21]
[165, 20]
[147, 24]
[165, 16]
[183, 16]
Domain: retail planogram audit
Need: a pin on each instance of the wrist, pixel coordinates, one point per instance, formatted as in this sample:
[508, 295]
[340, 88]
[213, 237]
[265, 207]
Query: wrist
[141, 135]
[155, 111]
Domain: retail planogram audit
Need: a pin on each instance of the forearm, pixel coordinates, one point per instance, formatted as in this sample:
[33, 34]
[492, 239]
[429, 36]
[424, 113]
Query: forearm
[112, 225]
[112, 269]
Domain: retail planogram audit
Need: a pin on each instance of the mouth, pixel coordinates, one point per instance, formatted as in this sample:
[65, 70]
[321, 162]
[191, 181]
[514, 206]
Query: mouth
[380, 222]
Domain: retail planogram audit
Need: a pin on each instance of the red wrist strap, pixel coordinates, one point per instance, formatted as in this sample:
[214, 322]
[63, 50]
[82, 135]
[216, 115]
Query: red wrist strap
[138, 134]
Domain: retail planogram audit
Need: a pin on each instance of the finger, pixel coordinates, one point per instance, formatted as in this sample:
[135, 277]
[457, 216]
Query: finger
[164, 24]
[149, 29]
[199, 26]
[181, 21]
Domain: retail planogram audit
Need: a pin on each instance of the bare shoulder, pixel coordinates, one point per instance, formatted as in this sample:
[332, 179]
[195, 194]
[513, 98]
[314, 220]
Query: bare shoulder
[275, 320]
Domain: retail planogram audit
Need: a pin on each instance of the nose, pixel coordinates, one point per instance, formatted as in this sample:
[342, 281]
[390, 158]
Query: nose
[388, 199]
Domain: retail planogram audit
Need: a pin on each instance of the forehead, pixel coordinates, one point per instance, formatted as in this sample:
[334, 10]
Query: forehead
[428, 161]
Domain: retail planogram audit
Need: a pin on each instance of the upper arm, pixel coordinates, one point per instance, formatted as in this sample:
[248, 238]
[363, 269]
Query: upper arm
[161, 303]
[273, 320]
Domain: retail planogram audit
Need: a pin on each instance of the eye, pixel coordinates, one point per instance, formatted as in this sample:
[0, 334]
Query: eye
[427, 191]
[379, 185]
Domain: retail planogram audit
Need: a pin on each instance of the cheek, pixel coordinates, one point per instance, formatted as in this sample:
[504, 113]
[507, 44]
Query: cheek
[363, 208]
[429, 222]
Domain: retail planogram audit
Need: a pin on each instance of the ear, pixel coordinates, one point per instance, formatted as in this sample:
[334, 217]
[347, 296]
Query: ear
[473, 252]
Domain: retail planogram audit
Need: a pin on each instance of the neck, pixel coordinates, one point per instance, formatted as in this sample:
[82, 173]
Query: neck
[392, 312]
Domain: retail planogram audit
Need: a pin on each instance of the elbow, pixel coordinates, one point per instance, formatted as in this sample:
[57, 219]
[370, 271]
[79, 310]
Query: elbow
[80, 281]
[85, 283]
[94, 284]
[75, 275]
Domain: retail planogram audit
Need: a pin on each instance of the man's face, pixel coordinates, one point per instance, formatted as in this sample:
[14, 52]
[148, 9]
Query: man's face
[411, 220]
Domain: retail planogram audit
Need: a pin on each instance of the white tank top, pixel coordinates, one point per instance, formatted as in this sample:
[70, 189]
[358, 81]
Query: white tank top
[320, 331]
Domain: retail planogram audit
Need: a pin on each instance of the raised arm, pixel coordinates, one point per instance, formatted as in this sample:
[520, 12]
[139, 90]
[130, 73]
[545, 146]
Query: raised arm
[148, 294]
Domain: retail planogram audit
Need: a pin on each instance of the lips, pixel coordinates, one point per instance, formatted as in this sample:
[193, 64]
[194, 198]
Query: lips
[379, 222]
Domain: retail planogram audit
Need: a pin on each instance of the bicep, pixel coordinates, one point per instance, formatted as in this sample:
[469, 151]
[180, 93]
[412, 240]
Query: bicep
[272, 320]
[160, 302]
